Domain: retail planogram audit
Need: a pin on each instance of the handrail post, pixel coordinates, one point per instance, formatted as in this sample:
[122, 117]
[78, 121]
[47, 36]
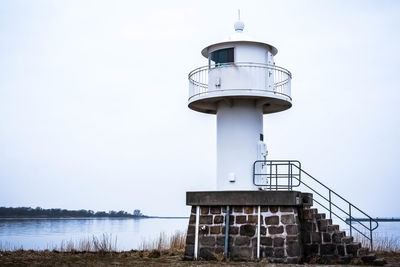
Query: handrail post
[288, 186]
[370, 234]
[276, 177]
[350, 219]
[330, 205]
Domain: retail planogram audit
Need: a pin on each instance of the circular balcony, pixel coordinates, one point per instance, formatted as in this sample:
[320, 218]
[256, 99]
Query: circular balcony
[268, 85]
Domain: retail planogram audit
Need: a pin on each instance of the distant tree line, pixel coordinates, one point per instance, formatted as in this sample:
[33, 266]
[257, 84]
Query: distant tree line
[59, 213]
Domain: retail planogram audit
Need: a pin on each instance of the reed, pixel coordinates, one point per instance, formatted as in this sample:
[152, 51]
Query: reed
[381, 242]
[174, 242]
[104, 243]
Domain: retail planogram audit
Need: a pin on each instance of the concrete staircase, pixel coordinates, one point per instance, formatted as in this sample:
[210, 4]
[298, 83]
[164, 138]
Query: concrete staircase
[324, 243]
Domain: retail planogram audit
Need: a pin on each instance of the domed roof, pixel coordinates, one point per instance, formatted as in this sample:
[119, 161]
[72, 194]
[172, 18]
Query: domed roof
[239, 37]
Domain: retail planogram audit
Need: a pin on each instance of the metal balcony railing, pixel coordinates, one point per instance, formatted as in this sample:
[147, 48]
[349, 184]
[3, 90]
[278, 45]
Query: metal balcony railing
[287, 174]
[280, 78]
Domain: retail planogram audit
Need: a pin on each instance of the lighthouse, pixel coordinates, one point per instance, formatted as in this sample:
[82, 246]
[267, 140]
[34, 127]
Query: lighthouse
[258, 210]
[239, 85]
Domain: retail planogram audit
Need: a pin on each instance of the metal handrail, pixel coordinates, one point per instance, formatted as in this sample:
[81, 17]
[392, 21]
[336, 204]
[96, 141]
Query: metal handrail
[198, 79]
[289, 186]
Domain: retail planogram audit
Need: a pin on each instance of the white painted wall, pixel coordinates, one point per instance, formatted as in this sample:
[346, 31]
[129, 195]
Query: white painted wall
[239, 125]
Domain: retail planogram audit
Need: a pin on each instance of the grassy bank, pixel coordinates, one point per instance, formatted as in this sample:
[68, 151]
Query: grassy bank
[163, 251]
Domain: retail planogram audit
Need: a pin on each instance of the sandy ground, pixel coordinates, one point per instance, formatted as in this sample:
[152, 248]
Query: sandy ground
[132, 258]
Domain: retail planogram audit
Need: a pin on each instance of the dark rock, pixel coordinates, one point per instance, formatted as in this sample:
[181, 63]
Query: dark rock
[267, 252]
[278, 242]
[310, 249]
[220, 241]
[263, 230]
[207, 241]
[241, 253]
[238, 209]
[345, 259]
[353, 248]
[192, 219]
[306, 237]
[204, 210]
[337, 237]
[279, 252]
[293, 260]
[206, 219]
[347, 239]
[333, 228]
[242, 241]
[326, 237]
[264, 208]
[248, 210]
[327, 249]
[266, 241]
[288, 219]
[218, 219]
[340, 249]
[274, 230]
[215, 210]
[215, 230]
[379, 262]
[320, 216]
[274, 209]
[316, 237]
[231, 219]
[189, 252]
[272, 220]
[241, 219]
[286, 209]
[233, 230]
[253, 219]
[190, 239]
[292, 248]
[248, 230]
[191, 230]
[368, 258]
[207, 254]
[291, 229]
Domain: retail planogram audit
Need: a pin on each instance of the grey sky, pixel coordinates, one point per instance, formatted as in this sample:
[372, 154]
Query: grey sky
[93, 99]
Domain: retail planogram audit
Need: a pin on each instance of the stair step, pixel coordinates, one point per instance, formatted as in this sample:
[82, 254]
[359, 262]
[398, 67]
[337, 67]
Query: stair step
[368, 258]
[308, 214]
[363, 252]
[320, 216]
[332, 228]
[348, 240]
[379, 262]
[323, 224]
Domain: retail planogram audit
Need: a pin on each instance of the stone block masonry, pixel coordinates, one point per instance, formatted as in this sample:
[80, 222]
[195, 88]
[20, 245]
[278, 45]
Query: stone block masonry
[279, 233]
[287, 234]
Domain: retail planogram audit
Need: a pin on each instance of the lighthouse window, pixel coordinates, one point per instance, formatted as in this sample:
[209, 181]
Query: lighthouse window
[221, 57]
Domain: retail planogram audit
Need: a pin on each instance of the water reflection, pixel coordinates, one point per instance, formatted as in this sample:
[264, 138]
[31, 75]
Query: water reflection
[48, 233]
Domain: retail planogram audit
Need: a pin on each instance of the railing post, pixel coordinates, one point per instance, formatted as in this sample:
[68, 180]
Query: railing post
[288, 186]
[330, 205]
[270, 176]
[350, 219]
[370, 234]
[276, 177]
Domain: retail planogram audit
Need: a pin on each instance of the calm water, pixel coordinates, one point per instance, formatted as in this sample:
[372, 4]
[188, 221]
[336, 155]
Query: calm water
[48, 233]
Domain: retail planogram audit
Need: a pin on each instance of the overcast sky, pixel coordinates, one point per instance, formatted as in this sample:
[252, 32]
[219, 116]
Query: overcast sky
[93, 99]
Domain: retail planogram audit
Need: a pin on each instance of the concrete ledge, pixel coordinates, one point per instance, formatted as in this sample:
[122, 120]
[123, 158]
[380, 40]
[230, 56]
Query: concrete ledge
[248, 198]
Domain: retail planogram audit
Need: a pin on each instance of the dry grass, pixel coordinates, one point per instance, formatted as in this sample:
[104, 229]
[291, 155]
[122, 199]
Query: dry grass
[381, 242]
[174, 242]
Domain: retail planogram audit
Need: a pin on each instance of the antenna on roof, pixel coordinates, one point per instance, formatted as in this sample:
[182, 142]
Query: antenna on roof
[238, 14]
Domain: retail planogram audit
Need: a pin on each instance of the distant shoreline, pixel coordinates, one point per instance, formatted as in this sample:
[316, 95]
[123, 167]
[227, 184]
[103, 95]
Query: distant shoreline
[92, 217]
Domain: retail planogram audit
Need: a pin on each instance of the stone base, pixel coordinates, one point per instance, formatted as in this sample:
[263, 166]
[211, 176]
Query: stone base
[290, 232]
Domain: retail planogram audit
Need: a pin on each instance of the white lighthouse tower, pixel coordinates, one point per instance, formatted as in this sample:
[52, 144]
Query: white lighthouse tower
[240, 83]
